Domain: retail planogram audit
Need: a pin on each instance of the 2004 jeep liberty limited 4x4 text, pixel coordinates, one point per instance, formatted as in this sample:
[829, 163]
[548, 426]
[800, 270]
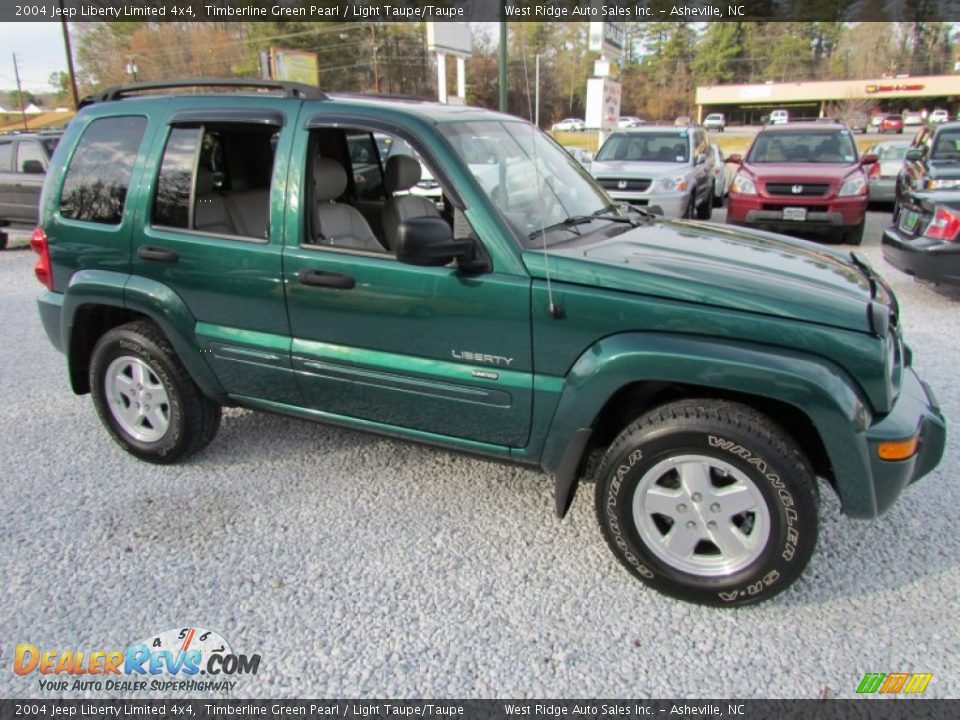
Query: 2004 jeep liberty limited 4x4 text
[261, 248]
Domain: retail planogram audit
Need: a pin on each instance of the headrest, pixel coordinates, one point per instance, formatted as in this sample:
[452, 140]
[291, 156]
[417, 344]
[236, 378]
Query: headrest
[401, 173]
[329, 179]
[204, 181]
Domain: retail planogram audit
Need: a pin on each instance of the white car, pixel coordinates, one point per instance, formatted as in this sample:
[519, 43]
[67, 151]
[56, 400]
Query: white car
[912, 117]
[779, 117]
[580, 155]
[569, 125]
[628, 121]
[939, 116]
[715, 121]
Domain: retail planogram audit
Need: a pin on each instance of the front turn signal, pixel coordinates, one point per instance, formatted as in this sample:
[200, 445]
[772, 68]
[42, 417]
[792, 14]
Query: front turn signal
[898, 449]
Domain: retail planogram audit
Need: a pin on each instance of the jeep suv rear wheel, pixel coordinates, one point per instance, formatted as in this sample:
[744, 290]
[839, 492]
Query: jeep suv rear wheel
[146, 398]
[708, 501]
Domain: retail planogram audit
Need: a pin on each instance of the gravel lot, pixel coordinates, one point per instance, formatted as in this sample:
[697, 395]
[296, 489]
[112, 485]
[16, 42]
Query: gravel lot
[363, 567]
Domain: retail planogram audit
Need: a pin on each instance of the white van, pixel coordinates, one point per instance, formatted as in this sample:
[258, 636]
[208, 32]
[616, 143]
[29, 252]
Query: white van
[778, 117]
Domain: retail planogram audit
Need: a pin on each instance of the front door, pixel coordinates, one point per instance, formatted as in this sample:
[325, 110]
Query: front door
[428, 349]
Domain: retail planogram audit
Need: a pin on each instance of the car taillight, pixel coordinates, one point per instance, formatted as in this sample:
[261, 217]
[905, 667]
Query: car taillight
[40, 245]
[944, 226]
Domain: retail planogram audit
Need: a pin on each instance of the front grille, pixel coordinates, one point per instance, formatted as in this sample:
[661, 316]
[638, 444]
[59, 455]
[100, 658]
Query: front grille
[799, 189]
[638, 185]
[780, 206]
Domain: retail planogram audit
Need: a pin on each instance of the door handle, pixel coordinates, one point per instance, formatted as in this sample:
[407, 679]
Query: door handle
[148, 252]
[319, 278]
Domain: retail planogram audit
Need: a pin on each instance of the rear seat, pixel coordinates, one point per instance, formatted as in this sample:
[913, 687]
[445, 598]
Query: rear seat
[245, 213]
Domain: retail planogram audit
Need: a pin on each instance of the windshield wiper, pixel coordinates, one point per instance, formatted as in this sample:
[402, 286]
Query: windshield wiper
[575, 220]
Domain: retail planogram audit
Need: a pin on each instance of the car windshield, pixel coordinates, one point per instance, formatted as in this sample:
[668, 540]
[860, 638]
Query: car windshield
[946, 145]
[891, 152]
[501, 156]
[668, 146]
[803, 146]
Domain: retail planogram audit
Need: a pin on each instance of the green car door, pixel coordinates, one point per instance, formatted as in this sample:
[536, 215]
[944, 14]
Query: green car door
[428, 349]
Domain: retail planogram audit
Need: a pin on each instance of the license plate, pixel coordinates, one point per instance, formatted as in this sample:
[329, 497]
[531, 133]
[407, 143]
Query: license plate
[795, 213]
[908, 220]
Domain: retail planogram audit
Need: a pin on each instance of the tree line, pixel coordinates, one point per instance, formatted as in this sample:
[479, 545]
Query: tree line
[663, 62]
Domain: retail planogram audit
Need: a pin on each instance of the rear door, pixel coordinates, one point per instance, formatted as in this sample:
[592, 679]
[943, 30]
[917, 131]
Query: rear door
[30, 168]
[214, 206]
[8, 180]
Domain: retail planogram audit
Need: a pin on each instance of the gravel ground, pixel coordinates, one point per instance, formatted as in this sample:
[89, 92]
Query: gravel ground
[363, 567]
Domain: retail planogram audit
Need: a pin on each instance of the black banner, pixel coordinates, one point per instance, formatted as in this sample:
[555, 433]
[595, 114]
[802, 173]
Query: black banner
[479, 10]
[873, 709]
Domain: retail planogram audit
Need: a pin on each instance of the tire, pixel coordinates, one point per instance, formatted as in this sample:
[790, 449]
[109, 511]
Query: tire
[691, 210]
[743, 449]
[854, 235]
[705, 210]
[133, 362]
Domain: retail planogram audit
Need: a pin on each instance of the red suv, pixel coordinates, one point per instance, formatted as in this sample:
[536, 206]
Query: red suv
[803, 177]
[891, 124]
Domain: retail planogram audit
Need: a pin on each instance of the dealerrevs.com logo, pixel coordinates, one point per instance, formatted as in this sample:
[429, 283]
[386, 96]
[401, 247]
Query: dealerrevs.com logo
[184, 659]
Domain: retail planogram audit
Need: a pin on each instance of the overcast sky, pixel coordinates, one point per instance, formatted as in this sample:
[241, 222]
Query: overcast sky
[39, 49]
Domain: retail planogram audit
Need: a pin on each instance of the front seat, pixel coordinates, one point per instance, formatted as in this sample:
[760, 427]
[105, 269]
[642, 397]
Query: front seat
[401, 173]
[338, 224]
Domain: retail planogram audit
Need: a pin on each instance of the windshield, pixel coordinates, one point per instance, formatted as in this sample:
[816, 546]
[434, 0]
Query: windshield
[500, 155]
[946, 146]
[803, 146]
[671, 146]
[891, 152]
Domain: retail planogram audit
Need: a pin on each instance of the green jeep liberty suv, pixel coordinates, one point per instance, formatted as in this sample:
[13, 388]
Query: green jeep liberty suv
[262, 248]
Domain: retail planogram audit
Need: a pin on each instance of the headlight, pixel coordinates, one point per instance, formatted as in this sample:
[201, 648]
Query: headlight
[743, 184]
[856, 184]
[940, 184]
[675, 183]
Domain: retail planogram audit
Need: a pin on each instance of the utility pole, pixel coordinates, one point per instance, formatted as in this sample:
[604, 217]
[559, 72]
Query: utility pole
[16, 73]
[503, 59]
[376, 60]
[70, 70]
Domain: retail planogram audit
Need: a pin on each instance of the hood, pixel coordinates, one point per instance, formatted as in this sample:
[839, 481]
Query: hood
[636, 169]
[943, 168]
[735, 268]
[805, 172]
[890, 168]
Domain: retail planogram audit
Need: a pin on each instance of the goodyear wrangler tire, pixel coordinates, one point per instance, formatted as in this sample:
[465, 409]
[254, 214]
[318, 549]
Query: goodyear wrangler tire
[708, 501]
[146, 398]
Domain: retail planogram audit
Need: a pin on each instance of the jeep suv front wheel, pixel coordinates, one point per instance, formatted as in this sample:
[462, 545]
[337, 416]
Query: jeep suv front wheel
[146, 398]
[708, 501]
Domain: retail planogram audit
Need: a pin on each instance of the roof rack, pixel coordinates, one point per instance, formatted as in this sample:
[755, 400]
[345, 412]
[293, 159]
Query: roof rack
[378, 96]
[290, 89]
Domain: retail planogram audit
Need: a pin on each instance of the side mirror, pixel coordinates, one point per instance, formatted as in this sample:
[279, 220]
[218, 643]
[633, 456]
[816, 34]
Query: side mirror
[735, 159]
[869, 159]
[33, 167]
[429, 242]
[914, 154]
[701, 158]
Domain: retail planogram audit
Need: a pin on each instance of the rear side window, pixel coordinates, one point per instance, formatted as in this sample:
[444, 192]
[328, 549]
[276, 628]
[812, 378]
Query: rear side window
[6, 155]
[30, 152]
[98, 178]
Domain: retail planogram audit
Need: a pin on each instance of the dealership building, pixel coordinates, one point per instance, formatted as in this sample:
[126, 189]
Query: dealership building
[749, 104]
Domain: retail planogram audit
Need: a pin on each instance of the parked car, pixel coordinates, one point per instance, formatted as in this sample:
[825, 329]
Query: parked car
[932, 162]
[24, 158]
[802, 177]
[682, 121]
[891, 124]
[938, 116]
[569, 125]
[211, 249]
[925, 238]
[579, 154]
[722, 175]
[628, 121]
[778, 117]
[912, 117]
[715, 121]
[882, 175]
[856, 120]
[876, 119]
[658, 166]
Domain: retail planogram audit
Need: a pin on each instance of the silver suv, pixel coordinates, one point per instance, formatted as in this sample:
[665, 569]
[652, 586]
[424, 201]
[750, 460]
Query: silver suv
[658, 166]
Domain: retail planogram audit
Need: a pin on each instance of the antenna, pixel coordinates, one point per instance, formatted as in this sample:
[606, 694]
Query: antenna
[555, 310]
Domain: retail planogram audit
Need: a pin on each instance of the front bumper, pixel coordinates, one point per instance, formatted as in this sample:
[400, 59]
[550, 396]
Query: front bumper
[915, 412]
[673, 204]
[822, 214]
[883, 190]
[922, 257]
